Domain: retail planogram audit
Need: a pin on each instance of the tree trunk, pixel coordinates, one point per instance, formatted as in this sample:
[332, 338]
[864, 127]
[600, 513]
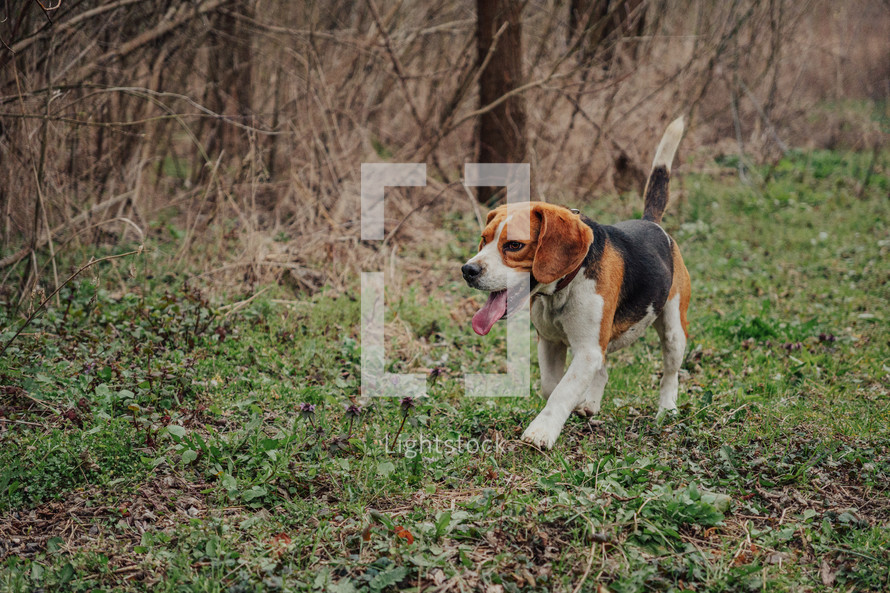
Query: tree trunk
[603, 22]
[501, 130]
[231, 71]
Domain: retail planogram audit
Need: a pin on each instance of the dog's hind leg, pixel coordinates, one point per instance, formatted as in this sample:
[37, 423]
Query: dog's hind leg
[552, 361]
[670, 330]
[593, 398]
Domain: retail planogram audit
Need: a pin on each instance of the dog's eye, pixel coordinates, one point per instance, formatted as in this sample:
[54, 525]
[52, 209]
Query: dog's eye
[513, 246]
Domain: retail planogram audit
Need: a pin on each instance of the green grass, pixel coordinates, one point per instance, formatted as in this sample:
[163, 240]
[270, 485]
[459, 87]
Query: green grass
[157, 442]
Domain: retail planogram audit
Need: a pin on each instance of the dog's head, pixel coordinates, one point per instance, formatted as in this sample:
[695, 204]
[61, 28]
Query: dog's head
[536, 238]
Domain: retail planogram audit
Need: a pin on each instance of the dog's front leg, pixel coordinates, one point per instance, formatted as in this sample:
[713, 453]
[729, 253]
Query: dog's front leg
[552, 362]
[545, 428]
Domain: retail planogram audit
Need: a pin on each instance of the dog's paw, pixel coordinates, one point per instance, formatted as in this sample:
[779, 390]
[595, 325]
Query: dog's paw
[666, 415]
[586, 410]
[540, 435]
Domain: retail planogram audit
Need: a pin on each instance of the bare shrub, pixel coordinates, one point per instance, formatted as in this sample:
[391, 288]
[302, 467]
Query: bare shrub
[234, 130]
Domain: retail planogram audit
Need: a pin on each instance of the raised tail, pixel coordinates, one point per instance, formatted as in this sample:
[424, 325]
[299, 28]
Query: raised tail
[658, 185]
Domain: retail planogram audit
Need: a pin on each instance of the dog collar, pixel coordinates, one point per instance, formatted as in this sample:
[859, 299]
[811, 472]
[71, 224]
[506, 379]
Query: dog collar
[568, 278]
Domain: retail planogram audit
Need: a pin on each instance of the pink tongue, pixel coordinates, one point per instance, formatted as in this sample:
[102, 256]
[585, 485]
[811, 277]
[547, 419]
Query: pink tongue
[491, 311]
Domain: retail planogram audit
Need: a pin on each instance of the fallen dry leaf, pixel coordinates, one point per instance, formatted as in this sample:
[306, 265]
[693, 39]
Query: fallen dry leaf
[826, 574]
[278, 543]
[404, 534]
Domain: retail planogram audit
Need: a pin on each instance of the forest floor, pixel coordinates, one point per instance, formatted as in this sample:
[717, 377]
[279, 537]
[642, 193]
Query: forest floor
[153, 438]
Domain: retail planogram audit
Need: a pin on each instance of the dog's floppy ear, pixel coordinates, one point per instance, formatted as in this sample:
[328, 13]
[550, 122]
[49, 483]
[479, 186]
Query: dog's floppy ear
[563, 241]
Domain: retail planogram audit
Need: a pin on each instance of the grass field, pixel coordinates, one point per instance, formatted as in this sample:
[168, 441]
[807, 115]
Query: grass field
[152, 439]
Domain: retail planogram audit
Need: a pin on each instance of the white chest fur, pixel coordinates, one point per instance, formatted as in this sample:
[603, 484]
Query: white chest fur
[547, 315]
[571, 316]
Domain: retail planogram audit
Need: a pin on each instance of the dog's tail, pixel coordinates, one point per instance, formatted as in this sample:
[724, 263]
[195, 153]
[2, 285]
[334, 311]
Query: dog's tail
[658, 185]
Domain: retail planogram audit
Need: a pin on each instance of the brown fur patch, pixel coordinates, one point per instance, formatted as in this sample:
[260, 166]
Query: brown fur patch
[522, 227]
[609, 281]
[681, 284]
[619, 327]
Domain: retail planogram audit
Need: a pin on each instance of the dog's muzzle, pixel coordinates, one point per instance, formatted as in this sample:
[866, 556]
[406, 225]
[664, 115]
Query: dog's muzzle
[471, 273]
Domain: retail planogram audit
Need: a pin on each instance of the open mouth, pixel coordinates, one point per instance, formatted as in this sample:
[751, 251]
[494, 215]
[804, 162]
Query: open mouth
[500, 305]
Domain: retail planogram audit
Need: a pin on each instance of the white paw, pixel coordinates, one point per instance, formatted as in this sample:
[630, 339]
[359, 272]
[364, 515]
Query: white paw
[540, 434]
[586, 410]
[666, 415]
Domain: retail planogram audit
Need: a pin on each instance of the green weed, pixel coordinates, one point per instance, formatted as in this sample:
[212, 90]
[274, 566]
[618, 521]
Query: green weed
[204, 449]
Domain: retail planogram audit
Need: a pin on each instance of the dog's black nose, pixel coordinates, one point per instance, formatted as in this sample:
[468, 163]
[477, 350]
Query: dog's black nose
[471, 271]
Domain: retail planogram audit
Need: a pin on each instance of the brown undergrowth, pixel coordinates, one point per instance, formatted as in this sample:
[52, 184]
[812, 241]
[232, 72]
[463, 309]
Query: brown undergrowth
[232, 137]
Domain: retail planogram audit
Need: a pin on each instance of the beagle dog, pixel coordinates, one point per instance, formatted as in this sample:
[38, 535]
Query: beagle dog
[594, 288]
